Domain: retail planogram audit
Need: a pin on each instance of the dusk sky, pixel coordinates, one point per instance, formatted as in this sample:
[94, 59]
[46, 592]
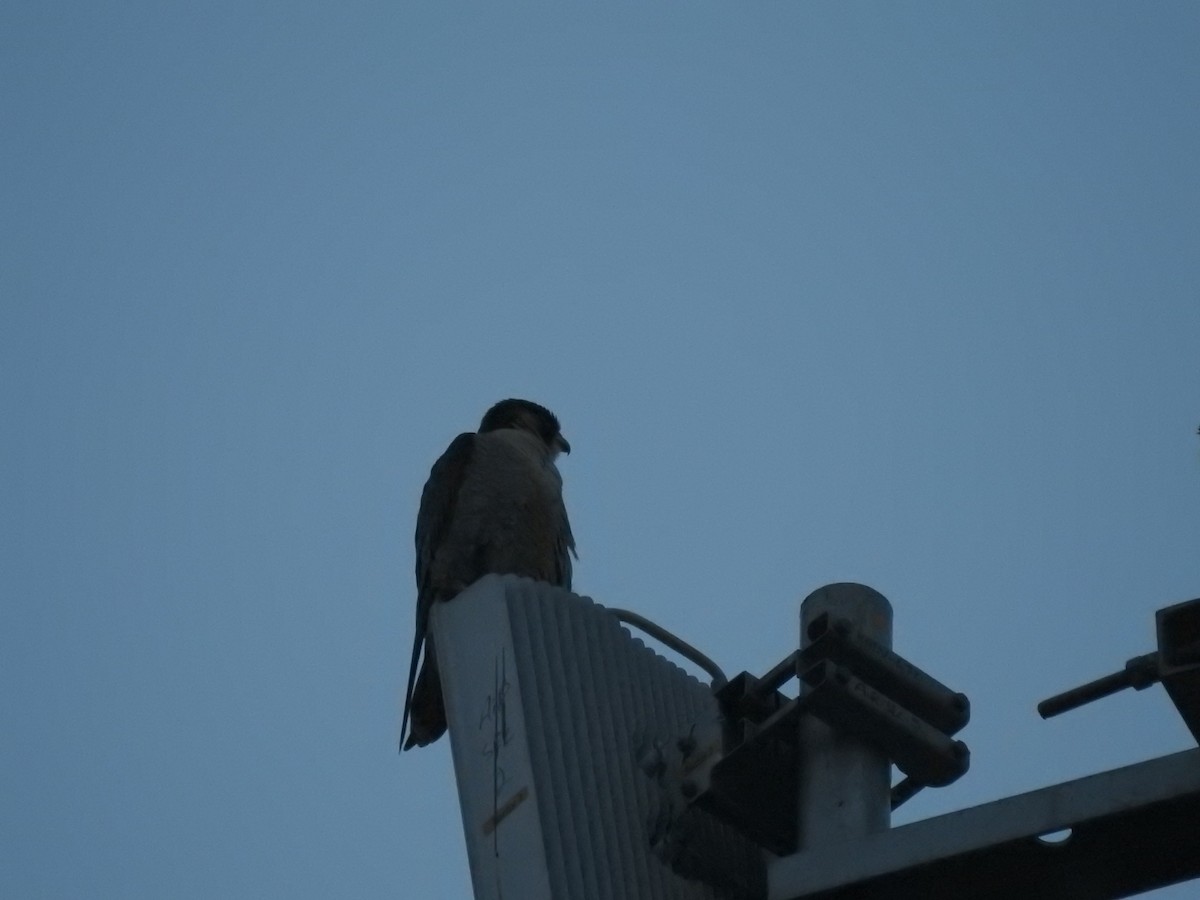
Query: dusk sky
[902, 294]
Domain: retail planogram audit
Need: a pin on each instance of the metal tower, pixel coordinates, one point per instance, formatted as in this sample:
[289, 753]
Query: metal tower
[590, 767]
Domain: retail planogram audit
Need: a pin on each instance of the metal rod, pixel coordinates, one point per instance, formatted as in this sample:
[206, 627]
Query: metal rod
[783, 672]
[904, 791]
[1140, 672]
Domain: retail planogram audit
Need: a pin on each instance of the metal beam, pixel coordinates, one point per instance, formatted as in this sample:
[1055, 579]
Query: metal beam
[1132, 830]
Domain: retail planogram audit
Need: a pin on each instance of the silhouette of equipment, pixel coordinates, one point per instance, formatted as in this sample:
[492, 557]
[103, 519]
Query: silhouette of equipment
[1176, 664]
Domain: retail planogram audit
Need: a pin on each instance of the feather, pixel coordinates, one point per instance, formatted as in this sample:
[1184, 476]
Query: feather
[438, 501]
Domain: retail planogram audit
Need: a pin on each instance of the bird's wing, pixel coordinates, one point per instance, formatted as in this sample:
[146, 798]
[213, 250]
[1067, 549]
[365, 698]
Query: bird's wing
[438, 500]
[564, 549]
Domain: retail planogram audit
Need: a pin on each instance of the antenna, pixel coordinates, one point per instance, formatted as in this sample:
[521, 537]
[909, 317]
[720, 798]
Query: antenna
[590, 767]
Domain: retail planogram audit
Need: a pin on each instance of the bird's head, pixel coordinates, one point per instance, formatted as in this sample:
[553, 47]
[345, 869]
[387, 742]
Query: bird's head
[529, 416]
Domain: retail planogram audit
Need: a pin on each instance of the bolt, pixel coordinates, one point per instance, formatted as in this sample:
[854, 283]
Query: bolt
[653, 763]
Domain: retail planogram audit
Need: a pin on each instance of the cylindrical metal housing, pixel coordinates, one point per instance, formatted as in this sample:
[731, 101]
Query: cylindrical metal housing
[845, 783]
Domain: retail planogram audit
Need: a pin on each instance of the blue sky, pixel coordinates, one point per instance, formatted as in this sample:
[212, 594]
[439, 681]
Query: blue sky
[906, 295]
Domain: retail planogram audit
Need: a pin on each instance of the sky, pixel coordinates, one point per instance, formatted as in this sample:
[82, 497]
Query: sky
[901, 294]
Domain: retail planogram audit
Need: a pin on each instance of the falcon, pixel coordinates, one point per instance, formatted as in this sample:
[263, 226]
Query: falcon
[493, 504]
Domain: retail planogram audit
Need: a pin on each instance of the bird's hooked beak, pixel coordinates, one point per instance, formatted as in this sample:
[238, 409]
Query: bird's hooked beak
[562, 444]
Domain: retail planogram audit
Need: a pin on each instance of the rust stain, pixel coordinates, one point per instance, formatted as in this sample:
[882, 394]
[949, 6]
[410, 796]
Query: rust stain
[507, 807]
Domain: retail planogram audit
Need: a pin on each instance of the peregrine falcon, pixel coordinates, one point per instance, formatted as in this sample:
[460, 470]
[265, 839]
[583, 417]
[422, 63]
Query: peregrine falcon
[493, 504]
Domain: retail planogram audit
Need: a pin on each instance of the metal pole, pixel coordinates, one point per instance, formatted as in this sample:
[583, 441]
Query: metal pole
[845, 784]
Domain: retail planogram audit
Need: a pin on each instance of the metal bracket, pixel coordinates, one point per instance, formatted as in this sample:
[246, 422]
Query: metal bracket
[856, 686]
[1176, 664]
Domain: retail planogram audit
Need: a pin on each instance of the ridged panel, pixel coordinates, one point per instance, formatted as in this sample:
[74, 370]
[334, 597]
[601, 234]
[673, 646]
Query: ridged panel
[593, 697]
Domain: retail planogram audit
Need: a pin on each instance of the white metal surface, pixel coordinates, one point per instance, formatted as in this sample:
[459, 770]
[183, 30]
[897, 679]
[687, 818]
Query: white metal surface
[549, 702]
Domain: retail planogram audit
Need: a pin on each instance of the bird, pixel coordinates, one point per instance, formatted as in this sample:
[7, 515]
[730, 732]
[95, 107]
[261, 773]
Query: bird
[493, 504]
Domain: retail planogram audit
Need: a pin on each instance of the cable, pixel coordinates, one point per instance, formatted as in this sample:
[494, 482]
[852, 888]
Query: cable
[680, 646]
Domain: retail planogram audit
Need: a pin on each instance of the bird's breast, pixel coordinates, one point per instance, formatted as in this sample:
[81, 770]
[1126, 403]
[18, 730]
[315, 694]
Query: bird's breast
[509, 516]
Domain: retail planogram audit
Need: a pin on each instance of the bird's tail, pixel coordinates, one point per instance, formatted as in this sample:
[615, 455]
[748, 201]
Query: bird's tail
[427, 712]
[418, 640]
